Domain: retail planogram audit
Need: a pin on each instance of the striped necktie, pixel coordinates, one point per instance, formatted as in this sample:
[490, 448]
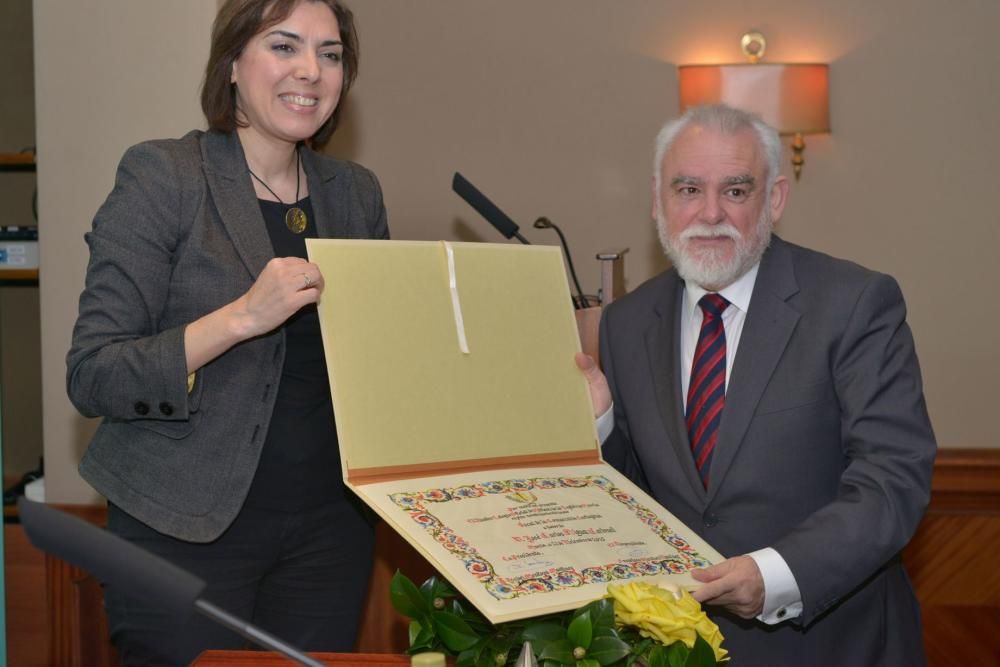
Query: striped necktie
[707, 388]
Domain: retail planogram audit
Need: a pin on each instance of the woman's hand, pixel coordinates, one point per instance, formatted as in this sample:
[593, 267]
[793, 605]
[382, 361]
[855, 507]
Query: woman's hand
[284, 286]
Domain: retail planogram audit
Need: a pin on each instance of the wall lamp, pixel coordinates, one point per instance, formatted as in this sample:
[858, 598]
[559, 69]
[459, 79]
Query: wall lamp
[793, 98]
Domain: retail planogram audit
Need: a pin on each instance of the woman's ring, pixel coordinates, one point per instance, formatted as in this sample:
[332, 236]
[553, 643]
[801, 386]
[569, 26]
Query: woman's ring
[307, 280]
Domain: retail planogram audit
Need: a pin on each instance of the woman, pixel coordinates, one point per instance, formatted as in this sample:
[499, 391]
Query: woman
[198, 343]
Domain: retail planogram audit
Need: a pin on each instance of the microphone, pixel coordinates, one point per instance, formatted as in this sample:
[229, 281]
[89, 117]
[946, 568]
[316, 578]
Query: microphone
[486, 208]
[580, 301]
[135, 571]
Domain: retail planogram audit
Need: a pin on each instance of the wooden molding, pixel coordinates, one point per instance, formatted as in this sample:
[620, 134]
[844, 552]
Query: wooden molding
[966, 480]
[17, 162]
[17, 158]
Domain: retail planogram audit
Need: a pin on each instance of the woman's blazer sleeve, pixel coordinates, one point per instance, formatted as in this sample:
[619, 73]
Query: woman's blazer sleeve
[122, 364]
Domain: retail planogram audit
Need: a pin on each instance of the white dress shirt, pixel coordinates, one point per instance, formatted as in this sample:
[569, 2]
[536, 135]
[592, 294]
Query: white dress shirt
[782, 599]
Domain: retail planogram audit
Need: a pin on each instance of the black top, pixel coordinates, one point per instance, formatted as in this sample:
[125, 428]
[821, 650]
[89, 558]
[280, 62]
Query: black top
[299, 466]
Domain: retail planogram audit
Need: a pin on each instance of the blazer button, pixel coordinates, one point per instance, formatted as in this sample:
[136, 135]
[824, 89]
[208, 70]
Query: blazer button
[141, 408]
[166, 409]
[710, 519]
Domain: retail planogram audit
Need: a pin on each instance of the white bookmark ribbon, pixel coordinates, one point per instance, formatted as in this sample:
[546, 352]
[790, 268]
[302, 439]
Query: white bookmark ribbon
[456, 305]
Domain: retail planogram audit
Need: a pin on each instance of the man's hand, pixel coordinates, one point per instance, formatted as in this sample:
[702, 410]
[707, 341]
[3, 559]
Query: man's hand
[735, 584]
[600, 394]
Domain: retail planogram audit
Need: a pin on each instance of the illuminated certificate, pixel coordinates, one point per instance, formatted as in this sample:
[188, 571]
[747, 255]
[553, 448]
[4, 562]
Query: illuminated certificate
[522, 542]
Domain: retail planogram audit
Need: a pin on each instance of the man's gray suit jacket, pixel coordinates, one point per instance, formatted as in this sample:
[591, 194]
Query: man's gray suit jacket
[824, 452]
[181, 235]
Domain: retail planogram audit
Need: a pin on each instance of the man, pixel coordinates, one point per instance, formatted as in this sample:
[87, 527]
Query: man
[781, 417]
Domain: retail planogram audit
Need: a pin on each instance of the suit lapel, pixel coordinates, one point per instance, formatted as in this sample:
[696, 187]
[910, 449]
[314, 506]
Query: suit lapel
[326, 200]
[235, 199]
[664, 359]
[769, 325]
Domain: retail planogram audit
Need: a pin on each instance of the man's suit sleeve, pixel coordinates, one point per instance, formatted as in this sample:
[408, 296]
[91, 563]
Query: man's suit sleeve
[617, 448]
[120, 360]
[889, 450]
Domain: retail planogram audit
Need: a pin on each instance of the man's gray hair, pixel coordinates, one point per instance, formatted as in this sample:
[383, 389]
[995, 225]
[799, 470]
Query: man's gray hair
[725, 119]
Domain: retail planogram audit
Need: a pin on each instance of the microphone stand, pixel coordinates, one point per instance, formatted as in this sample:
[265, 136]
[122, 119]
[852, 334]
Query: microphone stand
[579, 301]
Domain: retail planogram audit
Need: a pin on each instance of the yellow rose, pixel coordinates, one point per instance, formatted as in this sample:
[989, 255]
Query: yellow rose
[665, 615]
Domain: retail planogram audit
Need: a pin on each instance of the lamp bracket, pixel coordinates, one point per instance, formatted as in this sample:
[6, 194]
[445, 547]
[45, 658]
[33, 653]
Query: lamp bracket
[753, 45]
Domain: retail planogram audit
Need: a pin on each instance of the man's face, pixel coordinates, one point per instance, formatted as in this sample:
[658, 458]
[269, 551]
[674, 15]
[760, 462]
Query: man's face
[714, 214]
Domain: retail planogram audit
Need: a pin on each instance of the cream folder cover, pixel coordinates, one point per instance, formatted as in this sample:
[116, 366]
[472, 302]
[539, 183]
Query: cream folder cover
[464, 422]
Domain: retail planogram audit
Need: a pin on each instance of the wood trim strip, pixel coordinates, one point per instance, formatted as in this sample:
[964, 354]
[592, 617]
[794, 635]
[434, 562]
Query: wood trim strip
[966, 481]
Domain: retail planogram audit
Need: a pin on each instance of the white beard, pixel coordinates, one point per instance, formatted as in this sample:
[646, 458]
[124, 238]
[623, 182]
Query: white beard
[709, 269]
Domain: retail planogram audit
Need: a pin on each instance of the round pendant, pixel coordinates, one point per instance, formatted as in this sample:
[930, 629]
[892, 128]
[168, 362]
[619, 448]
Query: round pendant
[295, 220]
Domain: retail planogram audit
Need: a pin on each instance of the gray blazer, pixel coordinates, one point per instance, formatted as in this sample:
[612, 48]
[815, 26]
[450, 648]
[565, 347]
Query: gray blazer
[824, 452]
[180, 235]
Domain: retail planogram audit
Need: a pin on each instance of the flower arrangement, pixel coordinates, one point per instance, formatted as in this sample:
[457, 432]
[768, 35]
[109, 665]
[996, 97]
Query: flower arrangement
[636, 624]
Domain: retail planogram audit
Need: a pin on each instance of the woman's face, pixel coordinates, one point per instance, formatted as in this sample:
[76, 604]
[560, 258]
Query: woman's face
[289, 77]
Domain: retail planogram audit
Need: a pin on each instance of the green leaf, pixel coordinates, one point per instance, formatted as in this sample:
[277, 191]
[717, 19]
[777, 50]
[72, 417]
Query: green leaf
[425, 640]
[471, 656]
[658, 656]
[406, 598]
[587, 662]
[486, 660]
[602, 613]
[677, 654]
[607, 650]
[475, 620]
[414, 630]
[540, 634]
[560, 651]
[436, 587]
[467, 658]
[581, 631]
[544, 632]
[453, 631]
[701, 655]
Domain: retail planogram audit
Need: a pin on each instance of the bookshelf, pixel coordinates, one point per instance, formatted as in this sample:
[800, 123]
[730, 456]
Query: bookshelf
[18, 163]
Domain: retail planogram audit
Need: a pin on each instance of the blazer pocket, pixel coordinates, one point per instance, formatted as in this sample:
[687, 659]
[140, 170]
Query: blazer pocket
[796, 397]
[175, 430]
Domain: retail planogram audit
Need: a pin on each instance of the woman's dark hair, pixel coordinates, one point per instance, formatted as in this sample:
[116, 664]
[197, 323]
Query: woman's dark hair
[235, 25]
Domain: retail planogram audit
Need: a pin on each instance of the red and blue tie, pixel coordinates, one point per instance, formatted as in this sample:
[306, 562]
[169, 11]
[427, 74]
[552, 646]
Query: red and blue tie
[707, 388]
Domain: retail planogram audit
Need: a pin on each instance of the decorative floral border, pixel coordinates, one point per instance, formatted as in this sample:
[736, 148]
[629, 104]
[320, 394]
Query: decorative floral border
[501, 588]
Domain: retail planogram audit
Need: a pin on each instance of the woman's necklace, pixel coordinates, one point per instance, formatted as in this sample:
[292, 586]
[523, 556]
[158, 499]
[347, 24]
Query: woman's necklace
[295, 217]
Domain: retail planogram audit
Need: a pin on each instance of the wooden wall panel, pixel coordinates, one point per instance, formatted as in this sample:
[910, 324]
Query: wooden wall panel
[951, 561]
[27, 627]
[78, 629]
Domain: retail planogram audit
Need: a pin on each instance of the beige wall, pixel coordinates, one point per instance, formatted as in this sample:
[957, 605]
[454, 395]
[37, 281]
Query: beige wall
[550, 106]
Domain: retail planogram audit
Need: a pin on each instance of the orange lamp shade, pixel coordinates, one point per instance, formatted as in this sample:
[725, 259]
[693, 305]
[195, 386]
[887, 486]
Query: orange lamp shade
[791, 98]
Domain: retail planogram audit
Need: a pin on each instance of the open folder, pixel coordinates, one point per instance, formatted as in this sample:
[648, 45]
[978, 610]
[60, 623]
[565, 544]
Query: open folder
[465, 424]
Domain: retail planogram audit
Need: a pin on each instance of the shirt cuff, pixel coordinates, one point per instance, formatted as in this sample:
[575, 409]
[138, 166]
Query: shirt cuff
[606, 424]
[782, 599]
